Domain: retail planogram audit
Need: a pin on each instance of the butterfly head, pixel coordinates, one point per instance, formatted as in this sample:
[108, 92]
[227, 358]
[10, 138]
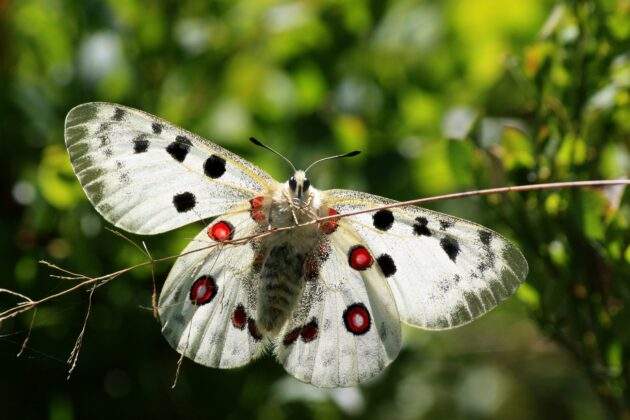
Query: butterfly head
[298, 186]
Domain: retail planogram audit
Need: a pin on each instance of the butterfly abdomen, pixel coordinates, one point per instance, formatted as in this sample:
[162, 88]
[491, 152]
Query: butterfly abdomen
[280, 287]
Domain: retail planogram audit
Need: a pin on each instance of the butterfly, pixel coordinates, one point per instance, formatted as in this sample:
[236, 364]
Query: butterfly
[328, 297]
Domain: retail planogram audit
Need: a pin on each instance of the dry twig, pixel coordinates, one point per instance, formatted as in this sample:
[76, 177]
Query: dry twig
[84, 281]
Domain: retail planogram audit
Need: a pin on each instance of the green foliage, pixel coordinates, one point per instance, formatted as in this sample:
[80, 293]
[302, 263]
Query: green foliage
[441, 96]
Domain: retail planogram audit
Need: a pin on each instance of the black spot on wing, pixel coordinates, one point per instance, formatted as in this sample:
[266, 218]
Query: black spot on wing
[179, 148]
[253, 329]
[214, 166]
[140, 144]
[420, 227]
[119, 114]
[156, 127]
[184, 202]
[105, 126]
[451, 247]
[445, 224]
[184, 140]
[104, 140]
[482, 266]
[383, 219]
[386, 263]
[485, 237]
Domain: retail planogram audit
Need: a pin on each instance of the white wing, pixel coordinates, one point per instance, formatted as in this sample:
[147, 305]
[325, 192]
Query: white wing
[147, 176]
[345, 328]
[208, 301]
[443, 271]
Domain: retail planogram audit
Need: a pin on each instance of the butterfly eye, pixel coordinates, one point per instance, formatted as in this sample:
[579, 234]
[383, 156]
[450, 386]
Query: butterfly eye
[292, 184]
[306, 184]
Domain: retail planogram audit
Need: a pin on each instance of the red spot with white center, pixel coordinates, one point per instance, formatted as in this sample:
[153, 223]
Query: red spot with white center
[239, 317]
[203, 290]
[356, 318]
[291, 336]
[309, 331]
[221, 231]
[331, 225]
[257, 212]
[359, 258]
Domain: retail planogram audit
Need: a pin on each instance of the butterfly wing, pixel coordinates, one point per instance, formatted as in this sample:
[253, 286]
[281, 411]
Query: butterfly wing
[208, 301]
[443, 271]
[147, 176]
[345, 328]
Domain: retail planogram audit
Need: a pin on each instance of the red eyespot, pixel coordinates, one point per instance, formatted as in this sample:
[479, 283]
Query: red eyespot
[221, 231]
[356, 318]
[331, 225]
[256, 211]
[239, 317]
[309, 331]
[359, 258]
[203, 290]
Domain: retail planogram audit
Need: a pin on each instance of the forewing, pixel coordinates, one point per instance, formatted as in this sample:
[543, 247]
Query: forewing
[443, 271]
[345, 328]
[147, 176]
[208, 301]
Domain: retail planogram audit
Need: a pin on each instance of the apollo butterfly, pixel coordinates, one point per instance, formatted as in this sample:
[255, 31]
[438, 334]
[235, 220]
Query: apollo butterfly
[328, 298]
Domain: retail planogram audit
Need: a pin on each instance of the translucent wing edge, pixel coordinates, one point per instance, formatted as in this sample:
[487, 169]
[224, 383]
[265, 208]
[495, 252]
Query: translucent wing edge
[79, 115]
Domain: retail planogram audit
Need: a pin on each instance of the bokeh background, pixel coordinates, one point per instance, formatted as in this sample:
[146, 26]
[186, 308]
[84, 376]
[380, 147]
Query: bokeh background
[441, 96]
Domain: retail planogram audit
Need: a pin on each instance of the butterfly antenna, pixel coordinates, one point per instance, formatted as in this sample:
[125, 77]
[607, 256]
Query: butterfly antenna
[345, 155]
[264, 146]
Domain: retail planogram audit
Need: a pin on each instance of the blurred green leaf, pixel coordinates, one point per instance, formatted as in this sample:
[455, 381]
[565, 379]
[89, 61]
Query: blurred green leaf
[56, 179]
[440, 96]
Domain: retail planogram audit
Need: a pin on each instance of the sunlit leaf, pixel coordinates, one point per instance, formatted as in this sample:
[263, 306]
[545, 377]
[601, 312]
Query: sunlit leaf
[350, 133]
[528, 295]
[56, 179]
